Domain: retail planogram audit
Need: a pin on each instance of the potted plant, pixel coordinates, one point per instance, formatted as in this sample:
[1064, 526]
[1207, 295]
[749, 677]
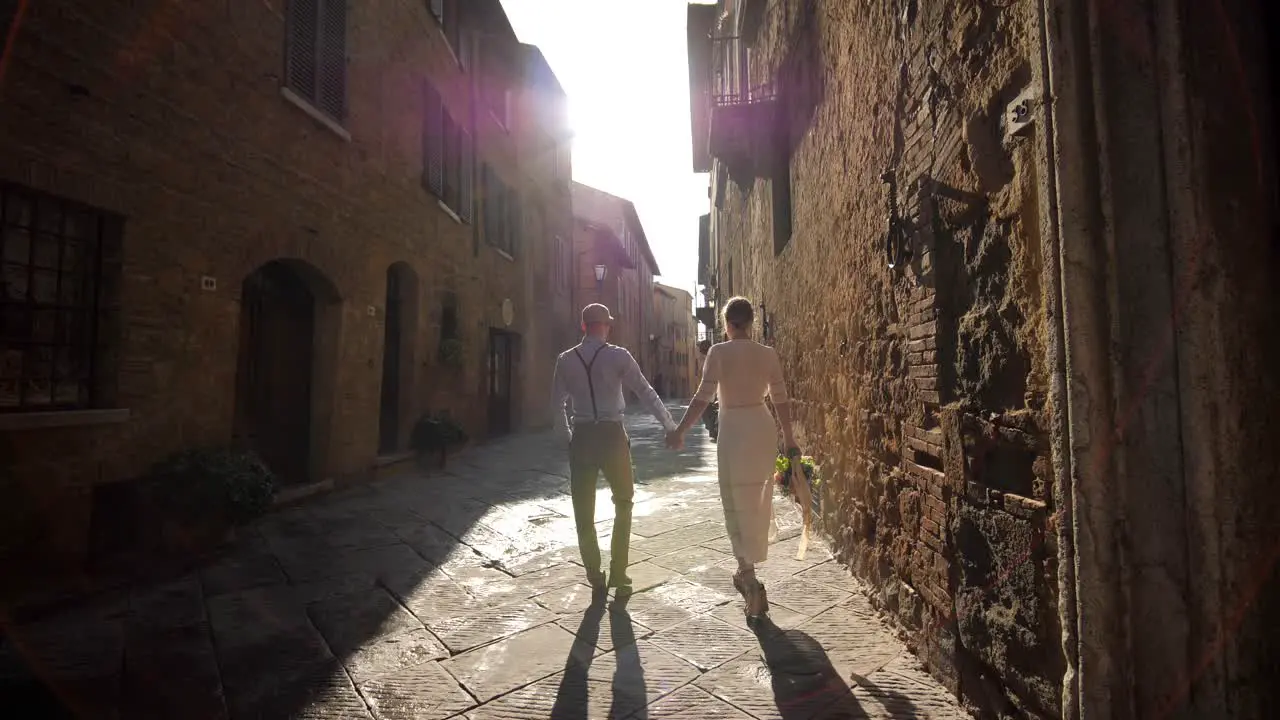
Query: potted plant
[201, 495]
[435, 436]
[451, 352]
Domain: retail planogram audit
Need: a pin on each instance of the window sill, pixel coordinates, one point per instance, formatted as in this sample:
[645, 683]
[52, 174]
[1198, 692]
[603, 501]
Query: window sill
[449, 211]
[311, 110]
[61, 418]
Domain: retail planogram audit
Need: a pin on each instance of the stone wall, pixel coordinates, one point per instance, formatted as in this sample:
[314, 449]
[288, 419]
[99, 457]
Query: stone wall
[171, 116]
[922, 388]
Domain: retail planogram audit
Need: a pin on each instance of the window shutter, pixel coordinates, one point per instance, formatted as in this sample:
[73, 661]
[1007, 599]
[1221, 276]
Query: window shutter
[513, 221]
[464, 48]
[466, 178]
[437, 9]
[450, 173]
[486, 201]
[331, 94]
[300, 54]
[432, 142]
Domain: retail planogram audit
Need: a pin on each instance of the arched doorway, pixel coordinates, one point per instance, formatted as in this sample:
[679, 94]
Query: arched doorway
[282, 309]
[400, 322]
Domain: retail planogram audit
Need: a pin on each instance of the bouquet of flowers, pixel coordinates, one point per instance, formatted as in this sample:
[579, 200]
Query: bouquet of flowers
[797, 477]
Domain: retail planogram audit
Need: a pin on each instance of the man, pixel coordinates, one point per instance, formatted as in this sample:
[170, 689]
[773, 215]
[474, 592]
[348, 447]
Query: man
[593, 374]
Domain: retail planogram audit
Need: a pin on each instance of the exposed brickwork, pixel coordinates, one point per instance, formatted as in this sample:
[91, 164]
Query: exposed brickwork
[880, 359]
[171, 116]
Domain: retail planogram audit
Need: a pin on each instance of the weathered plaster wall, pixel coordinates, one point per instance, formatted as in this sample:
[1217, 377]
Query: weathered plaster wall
[922, 389]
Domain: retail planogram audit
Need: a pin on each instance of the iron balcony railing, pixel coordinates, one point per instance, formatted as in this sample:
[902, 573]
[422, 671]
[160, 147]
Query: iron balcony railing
[737, 75]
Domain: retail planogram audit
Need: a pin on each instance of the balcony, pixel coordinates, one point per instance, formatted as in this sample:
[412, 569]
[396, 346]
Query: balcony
[704, 249]
[706, 315]
[744, 109]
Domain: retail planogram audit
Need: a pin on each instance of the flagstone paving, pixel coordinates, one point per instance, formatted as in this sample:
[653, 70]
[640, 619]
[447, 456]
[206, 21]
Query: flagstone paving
[460, 594]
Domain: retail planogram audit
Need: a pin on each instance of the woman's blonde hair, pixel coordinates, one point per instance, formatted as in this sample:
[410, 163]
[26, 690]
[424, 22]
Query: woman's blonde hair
[739, 313]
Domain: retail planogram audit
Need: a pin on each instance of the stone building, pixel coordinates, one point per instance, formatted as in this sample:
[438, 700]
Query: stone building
[295, 226]
[615, 266]
[1020, 262]
[676, 346]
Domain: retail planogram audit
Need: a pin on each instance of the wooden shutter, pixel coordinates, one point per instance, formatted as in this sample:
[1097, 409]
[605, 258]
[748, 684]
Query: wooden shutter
[331, 93]
[464, 48]
[466, 178]
[513, 221]
[300, 50]
[451, 162]
[432, 141]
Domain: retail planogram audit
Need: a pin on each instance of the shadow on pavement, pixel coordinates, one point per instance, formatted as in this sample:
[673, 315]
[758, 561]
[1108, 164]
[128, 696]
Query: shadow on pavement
[343, 602]
[572, 697]
[806, 686]
[630, 696]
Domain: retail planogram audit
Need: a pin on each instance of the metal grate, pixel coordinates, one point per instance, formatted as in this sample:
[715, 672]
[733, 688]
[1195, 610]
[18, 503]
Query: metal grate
[51, 252]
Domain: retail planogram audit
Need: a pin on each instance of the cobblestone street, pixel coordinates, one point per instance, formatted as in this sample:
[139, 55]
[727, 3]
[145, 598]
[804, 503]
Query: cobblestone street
[456, 594]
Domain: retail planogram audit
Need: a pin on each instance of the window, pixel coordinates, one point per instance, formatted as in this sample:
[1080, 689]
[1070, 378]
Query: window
[560, 266]
[449, 14]
[448, 157]
[316, 54]
[60, 277]
[501, 212]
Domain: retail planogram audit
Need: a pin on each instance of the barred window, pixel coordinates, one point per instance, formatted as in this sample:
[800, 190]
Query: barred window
[60, 274]
[316, 54]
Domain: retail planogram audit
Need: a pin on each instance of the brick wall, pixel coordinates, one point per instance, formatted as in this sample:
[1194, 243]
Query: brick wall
[919, 388]
[172, 117]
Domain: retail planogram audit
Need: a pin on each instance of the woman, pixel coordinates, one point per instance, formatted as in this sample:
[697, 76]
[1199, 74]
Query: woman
[742, 372]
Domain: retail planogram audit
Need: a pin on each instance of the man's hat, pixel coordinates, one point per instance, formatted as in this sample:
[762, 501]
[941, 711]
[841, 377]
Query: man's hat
[596, 313]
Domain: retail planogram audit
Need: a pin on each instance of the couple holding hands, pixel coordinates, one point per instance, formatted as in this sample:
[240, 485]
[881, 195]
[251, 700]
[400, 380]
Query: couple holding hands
[742, 372]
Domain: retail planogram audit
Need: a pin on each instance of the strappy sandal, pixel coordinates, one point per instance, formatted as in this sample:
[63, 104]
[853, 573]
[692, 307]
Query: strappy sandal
[753, 592]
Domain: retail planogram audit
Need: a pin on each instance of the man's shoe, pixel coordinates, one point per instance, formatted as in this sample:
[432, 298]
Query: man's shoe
[599, 586]
[621, 585]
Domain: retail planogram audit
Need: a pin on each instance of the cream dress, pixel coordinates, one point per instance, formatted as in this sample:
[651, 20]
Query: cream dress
[742, 372]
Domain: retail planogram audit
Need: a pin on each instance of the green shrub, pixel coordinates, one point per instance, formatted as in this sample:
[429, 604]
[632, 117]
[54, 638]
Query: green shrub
[437, 434]
[452, 352]
[219, 484]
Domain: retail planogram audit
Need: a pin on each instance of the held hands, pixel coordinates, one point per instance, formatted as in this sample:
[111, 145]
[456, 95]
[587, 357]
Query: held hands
[675, 440]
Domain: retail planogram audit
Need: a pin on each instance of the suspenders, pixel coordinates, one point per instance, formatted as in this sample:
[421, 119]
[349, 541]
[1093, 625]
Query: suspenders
[595, 413]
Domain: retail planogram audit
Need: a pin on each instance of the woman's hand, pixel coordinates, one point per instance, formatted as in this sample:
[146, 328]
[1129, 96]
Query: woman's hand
[675, 440]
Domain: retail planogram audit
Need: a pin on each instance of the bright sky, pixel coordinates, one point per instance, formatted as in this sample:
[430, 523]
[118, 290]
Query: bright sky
[624, 64]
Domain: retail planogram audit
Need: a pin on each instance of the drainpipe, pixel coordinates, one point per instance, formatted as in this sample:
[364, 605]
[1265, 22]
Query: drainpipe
[1059, 431]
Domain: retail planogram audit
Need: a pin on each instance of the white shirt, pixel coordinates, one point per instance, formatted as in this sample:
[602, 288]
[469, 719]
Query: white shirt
[613, 368]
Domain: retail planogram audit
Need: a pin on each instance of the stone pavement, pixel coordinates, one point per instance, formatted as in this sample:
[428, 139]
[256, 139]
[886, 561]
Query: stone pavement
[456, 595]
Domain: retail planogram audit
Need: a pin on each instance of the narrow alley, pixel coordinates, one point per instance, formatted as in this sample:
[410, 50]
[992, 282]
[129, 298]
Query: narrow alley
[455, 594]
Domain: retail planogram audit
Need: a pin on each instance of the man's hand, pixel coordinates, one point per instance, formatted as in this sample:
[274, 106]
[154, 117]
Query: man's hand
[675, 440]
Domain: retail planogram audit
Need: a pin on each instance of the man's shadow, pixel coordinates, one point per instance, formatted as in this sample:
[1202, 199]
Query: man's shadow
[806, 686]
[629, 697]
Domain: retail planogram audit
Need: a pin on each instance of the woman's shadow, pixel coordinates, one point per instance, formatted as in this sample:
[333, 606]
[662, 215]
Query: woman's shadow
[806, 686]
[629, 696]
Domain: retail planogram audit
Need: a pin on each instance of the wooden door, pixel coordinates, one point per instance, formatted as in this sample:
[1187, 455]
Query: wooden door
[500, 351]
[389, 417]
[274, 393]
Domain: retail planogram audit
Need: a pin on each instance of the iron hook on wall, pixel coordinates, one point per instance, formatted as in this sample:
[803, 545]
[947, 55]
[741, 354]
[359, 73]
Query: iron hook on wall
[895, 240]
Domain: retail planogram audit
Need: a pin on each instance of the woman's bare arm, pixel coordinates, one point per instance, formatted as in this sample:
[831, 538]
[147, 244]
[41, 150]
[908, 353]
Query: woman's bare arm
[691, 415]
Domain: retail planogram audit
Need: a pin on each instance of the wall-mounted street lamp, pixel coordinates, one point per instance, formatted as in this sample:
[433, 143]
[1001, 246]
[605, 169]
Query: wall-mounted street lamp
[600, 273]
